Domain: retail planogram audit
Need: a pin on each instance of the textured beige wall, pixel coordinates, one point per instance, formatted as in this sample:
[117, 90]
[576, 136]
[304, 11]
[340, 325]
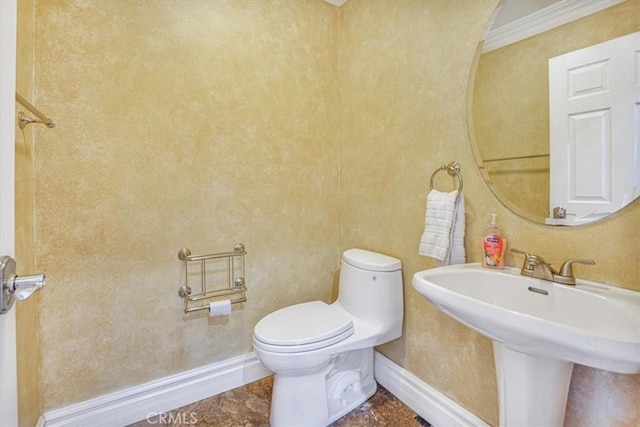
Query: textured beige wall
[403, 76]
[26, 311]
[403, 86]
[511, 102]
[206, 125]
[199, 124]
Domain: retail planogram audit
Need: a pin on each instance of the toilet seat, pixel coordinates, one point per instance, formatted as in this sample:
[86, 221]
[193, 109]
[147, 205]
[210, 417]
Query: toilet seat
[303, 327]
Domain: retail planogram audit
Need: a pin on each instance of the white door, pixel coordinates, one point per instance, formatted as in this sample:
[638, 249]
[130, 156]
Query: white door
[594, 100]
[8, 380]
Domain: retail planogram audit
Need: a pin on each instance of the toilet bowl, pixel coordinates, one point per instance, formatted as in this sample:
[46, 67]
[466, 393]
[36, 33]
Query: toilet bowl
[322, 354]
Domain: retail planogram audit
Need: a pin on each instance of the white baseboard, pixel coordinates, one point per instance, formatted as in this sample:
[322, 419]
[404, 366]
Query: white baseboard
[429, 403]
[136, 403]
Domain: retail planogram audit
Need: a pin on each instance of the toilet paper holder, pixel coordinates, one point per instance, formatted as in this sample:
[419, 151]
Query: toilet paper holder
[211, 266]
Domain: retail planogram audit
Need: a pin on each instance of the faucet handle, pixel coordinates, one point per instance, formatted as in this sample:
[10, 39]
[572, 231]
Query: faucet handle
[566, 270]
[518, 251]
[529, 261]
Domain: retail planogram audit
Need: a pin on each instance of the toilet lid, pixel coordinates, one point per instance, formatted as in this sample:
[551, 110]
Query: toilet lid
[303, 327]
[371, 261]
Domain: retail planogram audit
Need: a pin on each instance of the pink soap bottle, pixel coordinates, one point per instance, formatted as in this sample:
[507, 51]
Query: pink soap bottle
[494, 245]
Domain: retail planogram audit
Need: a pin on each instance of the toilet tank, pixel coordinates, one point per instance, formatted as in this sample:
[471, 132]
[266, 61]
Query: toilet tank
[371, 288]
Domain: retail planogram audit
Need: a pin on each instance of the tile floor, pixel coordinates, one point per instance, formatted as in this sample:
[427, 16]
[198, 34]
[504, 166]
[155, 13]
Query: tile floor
[248, 406]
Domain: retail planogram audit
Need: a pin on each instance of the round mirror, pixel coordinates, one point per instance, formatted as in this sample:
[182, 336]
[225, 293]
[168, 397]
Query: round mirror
[554, 108]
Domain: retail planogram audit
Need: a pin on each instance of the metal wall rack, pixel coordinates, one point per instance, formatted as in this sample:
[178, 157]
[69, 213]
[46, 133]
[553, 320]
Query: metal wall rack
[235, 272]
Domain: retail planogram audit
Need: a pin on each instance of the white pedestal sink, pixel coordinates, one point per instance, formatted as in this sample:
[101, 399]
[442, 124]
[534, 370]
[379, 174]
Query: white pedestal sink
[539, 330]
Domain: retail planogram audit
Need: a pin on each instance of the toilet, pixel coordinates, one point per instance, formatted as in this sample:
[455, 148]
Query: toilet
[322, 354]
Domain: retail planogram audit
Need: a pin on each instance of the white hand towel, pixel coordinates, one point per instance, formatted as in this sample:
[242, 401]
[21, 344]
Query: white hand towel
[457, 253]
[443, 237]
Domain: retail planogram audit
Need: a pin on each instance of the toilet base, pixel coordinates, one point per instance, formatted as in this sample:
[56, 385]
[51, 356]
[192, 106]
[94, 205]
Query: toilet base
[319, 398]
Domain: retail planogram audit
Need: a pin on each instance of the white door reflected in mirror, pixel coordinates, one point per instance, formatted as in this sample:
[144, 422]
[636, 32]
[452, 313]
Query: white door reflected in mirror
[594, 105]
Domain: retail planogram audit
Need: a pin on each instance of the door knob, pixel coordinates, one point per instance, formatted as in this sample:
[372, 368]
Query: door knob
[24, 286]
[16, 287]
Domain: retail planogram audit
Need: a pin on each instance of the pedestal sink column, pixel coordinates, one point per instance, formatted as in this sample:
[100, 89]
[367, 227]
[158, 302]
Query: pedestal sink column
[532, 390]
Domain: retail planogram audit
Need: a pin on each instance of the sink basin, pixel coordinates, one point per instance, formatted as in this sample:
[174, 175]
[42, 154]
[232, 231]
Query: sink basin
[539, 329]
[591, 324]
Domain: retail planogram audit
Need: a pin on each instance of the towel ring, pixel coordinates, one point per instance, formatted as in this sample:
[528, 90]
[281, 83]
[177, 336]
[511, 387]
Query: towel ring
[453, 169]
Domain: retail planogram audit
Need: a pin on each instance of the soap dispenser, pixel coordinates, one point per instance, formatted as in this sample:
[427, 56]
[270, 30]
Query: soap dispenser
[494, 245]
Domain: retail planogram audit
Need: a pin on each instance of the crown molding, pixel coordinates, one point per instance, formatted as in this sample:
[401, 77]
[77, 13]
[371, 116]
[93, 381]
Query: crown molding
[550, 17]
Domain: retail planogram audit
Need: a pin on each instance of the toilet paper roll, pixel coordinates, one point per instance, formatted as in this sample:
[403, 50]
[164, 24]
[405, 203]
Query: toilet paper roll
[220, 308]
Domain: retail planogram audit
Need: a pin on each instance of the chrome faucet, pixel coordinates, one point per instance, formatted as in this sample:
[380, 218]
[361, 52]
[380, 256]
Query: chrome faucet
[536, 266]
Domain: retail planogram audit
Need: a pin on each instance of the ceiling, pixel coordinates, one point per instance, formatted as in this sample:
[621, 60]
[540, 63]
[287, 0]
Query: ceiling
[337, 3]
